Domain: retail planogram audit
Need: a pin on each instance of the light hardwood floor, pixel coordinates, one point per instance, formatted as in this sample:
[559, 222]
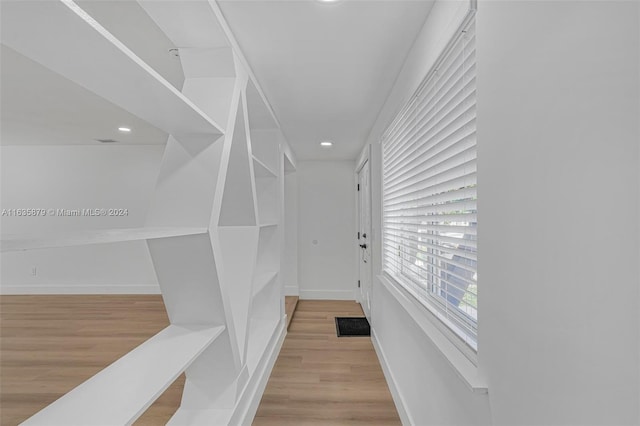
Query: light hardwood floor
[320, 379]
[50, 344]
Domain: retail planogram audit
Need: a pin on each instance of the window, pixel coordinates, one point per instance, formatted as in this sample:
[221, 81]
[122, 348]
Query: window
[429, 191]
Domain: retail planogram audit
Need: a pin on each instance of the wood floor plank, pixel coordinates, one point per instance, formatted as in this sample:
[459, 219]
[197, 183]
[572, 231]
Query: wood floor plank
[321, 379]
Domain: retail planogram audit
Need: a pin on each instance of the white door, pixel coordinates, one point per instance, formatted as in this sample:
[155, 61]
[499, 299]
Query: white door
[364, 238]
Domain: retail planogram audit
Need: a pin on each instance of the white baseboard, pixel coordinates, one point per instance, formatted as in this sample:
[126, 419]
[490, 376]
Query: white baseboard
[327, 294]
[398, 400]
[248, 402]
[291, 290]
[33, 289]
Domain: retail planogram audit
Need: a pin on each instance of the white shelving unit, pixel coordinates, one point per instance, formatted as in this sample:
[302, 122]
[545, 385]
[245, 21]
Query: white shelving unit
[262, 280]
[211, 416]
[133, 382]
[96, 60]
[80, 238]
[214, 229]
[266, 304]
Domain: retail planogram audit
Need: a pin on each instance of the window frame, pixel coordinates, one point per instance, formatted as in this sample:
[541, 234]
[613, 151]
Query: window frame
[427, 296]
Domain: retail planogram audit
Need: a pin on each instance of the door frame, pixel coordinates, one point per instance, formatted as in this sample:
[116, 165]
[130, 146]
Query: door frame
[365, 157]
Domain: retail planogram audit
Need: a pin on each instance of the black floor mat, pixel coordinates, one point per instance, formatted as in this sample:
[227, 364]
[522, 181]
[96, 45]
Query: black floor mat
[346, 327]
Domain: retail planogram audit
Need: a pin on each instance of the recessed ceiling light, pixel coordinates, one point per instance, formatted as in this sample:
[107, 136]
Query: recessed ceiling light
[328, 1]
[124, 129]
[326, 143]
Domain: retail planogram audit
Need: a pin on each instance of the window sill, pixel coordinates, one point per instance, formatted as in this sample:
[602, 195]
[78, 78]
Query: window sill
[464, 368]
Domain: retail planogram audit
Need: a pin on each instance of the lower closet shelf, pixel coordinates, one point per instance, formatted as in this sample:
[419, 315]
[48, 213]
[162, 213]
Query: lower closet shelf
[120, 393]
[200, 417]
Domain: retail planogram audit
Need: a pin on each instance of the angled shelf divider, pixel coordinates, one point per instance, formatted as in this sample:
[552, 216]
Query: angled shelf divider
[105, 236]
[262, 170]
[132, 383]
[262, 280]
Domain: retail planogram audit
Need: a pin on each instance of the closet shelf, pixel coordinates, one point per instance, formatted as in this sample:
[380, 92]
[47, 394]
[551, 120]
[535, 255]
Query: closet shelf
[80, 238]
[261, 280]
[261, 169]
[120, 393]
[96, 60]
[187, 416]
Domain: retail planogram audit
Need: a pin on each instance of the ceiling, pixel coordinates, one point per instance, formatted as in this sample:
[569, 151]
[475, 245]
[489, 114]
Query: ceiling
[326, 68]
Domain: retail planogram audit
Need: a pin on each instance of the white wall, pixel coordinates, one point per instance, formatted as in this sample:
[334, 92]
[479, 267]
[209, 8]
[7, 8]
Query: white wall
[77, 177]
[326, 229]
[559, 193]
[558, 210]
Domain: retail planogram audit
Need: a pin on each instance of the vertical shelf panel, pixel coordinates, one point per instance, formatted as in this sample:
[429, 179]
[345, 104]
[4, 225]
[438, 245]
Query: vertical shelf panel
[267, 262]
[188, 277]
[186, 183]
[267, 195]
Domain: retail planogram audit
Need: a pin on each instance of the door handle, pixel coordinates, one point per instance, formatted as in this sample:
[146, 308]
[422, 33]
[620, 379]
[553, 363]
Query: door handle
[364, 246]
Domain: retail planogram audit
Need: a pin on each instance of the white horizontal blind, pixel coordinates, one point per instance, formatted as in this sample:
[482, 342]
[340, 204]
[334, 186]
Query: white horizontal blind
[429, 191]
